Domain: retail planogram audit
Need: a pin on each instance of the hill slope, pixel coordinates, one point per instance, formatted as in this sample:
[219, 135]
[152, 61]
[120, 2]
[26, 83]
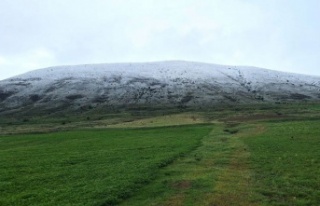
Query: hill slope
[158, 84]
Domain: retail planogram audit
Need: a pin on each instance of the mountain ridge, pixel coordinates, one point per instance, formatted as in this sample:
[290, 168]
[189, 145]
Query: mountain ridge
[174, 84]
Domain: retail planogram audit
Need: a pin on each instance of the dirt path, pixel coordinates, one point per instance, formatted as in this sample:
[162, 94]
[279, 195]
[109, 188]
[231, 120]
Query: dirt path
[234, 183]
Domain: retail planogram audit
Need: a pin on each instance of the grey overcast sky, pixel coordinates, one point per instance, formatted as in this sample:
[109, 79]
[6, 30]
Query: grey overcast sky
[281, 35]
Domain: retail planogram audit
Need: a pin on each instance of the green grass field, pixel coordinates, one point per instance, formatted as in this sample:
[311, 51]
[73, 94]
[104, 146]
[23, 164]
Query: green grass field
[286, 162]
[242, 156]
[90, 167]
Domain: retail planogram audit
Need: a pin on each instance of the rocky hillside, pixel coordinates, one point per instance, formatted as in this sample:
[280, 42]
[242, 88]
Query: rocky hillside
[159, 84]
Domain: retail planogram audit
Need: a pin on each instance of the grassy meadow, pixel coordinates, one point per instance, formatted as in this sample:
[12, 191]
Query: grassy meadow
[90, 167]
[236, 156]
[286, 162]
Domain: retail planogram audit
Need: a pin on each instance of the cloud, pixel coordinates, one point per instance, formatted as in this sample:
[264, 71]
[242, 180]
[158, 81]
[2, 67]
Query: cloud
[281, 35]
[21, 63]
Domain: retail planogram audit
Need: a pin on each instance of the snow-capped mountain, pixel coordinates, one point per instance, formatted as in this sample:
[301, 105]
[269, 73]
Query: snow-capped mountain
[169, 84]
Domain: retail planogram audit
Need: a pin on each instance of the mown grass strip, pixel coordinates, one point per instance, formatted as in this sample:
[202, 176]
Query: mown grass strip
[234, 184]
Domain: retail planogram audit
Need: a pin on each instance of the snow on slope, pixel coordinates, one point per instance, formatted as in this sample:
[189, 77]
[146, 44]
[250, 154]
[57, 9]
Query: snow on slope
[159, 70]
[172, 83]
[163, 71]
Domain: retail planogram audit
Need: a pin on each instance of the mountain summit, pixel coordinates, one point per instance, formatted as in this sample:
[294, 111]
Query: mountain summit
[157, 84]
